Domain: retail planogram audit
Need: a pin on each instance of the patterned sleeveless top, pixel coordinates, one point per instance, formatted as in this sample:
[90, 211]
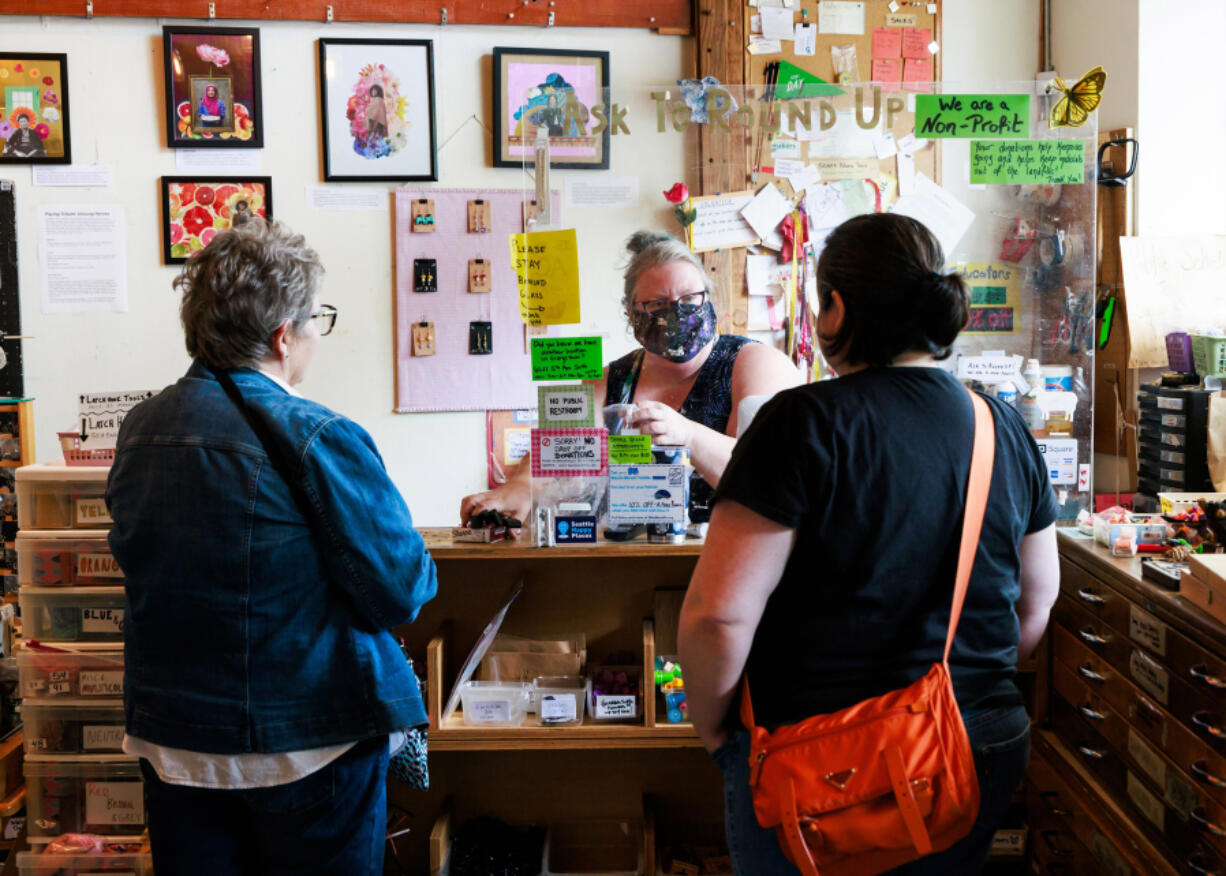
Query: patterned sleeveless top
[709, 402]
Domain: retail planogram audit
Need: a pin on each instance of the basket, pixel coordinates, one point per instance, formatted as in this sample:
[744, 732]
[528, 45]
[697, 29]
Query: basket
[74, 454]
[1209, 355]
[1179, 352]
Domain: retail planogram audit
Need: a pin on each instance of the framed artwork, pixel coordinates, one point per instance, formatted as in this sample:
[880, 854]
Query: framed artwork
[34, 109]
[377, 102]
[194, 209]
[212, 87]
[555, 90]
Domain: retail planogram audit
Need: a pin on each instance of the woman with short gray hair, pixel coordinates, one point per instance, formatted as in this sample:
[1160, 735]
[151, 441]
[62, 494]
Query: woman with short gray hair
[686, 381]
[266, 555]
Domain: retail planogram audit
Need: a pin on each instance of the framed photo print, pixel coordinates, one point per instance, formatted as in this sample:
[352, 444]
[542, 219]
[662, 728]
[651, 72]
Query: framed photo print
[556, 90]
[34, 109]
[194, 209]
[212, 87]
[377, 101]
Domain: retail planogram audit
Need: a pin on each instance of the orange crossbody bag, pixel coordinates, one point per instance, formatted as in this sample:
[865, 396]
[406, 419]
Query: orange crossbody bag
[887, 780]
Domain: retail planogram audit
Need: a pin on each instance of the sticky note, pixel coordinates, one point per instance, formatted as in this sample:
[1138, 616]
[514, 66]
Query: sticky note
[546, 265]
[973, 116]
[915, 42]
[887, 69]
[1026, 162]
[630, 449]
[887, 42]
[567, 358]
[916, 73]
[934, 47]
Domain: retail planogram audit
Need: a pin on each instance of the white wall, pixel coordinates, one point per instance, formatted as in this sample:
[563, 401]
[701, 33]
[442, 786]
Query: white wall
[1090, 33]
[996, 40]
[116, 98]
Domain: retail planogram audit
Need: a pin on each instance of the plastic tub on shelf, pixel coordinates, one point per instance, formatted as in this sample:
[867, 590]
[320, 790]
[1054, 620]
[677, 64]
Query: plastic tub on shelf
[559, 699]
[103, 864]
[57, 674]
[494, 703]
[75, 726]
[72, 614]
[615, 694]
[66, 558]
[61, 497]
[594, 848]
[101, 794]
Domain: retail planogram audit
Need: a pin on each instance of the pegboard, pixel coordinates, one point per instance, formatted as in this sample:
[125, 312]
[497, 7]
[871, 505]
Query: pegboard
[12, 381]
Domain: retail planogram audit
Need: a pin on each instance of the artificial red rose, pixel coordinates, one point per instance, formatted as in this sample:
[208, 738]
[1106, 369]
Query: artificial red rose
[678, 193]
[205, 195]
[196, 220]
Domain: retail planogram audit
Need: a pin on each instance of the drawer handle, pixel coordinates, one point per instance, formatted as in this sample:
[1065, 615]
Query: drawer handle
[1200, 867]
[1088, 635]
[1092, 753]
[1200, 769]
[1198, 819]
[1090, 596]
[1091, 714]
[1201, 720]
[1058, 851]
[1051, 800]
[1086, 672]
[1201, 673]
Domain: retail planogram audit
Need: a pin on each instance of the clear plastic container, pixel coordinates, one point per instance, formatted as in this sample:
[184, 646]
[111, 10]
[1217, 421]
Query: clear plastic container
[616, 694]
[110, 864]
[61, 497]
[72, 614]
[559, 699]
[100, 794]
[594, 848]
[76, 726]
[66, 558]
[494, 703]
[54, 675]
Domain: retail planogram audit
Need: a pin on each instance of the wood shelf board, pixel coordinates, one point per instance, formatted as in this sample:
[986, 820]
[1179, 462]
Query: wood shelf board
[455, 735]
[438, 542]
[13, 803]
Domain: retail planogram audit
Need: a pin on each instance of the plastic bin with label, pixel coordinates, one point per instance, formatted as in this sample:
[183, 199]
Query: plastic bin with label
[101, 794]
[91, 672]
[494, 703]
[72, 614]
[61, 497]
[594, 848]
[559, 699]
[73, 726]
[105, 864]
[622, 706]
[66, 558]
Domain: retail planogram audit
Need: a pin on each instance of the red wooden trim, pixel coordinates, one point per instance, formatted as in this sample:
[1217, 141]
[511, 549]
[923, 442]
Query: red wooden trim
[671, 16]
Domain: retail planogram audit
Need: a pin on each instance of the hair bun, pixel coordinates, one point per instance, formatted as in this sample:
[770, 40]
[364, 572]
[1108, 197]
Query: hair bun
[944, 307]
[643, 240]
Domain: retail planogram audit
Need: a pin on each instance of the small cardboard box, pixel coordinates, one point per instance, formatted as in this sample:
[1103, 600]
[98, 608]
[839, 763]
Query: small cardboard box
[482, 535]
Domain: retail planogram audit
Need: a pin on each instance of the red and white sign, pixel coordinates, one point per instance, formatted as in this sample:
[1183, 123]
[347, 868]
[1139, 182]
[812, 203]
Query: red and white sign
[570, 452]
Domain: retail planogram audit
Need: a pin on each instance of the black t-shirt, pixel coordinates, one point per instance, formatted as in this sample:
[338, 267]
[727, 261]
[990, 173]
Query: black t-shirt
[871, 471]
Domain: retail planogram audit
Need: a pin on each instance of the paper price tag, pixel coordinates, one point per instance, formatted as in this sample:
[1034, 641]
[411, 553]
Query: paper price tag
[101, 682]
[102, 620]
[491, 711]
[616, 706]
[115, 803]
[102, 737]
[557, 708]
[92, 511]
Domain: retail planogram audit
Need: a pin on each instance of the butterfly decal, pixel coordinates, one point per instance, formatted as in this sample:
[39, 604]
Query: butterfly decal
[1074, 108]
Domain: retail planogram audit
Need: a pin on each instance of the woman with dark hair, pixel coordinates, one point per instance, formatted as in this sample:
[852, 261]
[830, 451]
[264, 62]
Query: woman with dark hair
[828, 571]
[376, 112]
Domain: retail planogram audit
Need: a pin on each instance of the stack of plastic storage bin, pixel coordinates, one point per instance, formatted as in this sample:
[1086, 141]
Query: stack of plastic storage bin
[71, 665]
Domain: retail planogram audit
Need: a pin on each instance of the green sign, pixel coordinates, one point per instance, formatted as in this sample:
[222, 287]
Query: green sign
[567, 358]
[967, 116]
[630, 449]
[794, 82]
[1028, 162]
[988, 295]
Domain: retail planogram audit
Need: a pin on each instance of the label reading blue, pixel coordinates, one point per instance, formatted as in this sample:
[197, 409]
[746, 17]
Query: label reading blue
[574, 530]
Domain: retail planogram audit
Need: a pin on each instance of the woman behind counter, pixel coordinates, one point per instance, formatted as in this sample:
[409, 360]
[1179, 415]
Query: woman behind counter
[266, 555]
[829, 566]
[686, 381]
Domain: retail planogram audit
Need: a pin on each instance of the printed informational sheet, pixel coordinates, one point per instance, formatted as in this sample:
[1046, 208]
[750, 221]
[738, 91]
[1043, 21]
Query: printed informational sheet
[82, 255]
[648, 493]
[841, 17]
[604, 191]
[80, 175]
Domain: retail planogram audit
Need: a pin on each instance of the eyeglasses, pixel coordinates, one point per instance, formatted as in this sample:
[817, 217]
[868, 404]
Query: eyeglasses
[687, 305]
[325, 319]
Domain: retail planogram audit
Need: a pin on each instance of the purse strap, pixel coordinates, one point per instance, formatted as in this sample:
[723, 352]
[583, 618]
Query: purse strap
[979, 482]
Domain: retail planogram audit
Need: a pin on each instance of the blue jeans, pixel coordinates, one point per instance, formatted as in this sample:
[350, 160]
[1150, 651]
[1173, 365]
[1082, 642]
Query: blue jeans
[1000, 739]
[331, 822]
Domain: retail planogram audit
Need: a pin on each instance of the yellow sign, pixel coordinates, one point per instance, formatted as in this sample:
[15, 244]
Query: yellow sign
[995, 298]
[546, 267]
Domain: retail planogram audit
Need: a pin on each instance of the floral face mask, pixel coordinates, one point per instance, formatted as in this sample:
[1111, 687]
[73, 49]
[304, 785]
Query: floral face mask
[677, 332]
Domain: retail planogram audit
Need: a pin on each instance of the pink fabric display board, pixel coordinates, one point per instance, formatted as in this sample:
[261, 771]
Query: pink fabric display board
[453, 379]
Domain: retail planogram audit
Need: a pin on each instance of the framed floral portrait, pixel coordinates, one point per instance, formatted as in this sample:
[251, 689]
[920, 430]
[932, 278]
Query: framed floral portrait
[554, 90]
[377, 107]
[194, 209]
[212, 87]
[34, 109]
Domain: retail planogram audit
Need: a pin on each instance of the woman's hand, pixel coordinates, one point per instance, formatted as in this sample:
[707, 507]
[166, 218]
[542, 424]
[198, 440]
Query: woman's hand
[662, 423]
[511, 500]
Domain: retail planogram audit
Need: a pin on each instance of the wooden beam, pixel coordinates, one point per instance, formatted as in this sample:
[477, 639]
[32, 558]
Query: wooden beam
[668, 16]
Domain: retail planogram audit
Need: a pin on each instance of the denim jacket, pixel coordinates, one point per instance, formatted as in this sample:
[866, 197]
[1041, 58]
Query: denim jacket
[249, 627]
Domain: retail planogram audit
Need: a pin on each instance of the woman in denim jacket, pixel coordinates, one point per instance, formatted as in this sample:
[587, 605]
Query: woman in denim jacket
[263, 571]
